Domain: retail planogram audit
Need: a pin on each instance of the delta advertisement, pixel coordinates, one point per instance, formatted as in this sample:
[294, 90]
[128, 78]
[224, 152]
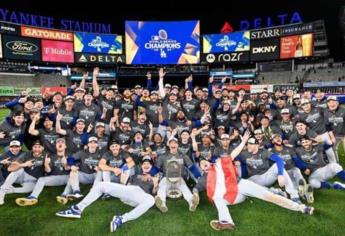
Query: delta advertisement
[233, 42]
[57, 51]
[97, 43]
[175, 42]
[296, 46]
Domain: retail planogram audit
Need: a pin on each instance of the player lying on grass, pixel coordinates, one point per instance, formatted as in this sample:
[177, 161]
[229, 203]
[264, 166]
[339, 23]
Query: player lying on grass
[224, 187]
[137, 193]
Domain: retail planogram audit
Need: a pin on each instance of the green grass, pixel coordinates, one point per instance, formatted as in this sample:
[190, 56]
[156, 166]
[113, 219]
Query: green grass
[253, 217]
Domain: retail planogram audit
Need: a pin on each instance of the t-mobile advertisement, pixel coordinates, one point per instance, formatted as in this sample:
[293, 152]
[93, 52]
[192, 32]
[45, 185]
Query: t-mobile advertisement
[57, 51]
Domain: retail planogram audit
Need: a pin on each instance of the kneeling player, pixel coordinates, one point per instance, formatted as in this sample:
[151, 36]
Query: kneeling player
[136, 193]
[224, 187]
[313, 159]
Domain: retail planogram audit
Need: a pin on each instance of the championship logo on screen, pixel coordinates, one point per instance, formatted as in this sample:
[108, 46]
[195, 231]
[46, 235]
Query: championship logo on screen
[162, 44]
[232, 42]
[98, 44]
[175, 42]
[225, 43]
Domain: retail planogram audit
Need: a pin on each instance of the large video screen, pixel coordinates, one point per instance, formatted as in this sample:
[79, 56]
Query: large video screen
[97, 43]
[232, 42]
[296, 46]
[150, 42]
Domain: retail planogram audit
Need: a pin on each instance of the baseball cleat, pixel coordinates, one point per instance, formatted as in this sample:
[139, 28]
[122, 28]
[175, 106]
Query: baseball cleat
[105, 196]
[115, 223]
[302, 186]
[278, 191]
[72, 212]
[160, 204]
[74, 195]
[218, 225]
[26, 201]
[338, 185]
[194, 202]
[309, 195]
[62, 199]
[308, 210]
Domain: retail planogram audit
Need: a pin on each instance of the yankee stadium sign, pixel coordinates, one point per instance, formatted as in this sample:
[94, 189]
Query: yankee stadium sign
[51, 22]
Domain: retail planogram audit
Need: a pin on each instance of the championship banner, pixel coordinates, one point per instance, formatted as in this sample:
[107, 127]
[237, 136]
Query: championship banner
[296, 46]
[265, 49]
[46, 33]
[57, 51]
[162, 42]
[97, 43]
[20, 48]
[232, 42]
[53, 90]
[231, 57]
[86, 58]
[8, 28]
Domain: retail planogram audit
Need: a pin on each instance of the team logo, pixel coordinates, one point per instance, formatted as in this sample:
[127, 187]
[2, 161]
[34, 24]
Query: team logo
[162, 44]
[98, 44]
[225, 43]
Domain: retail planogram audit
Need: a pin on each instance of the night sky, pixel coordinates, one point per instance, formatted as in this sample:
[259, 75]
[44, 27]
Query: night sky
[212, 17]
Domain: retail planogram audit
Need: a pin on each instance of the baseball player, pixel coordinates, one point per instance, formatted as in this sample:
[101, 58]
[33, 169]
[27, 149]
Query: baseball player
[164, 185]
[137, 193]
[316, 168]
[259, 170]
[25, 171]
[14, 152]
[291, 162]
[224, 187]
[84, 169]
[58, 173]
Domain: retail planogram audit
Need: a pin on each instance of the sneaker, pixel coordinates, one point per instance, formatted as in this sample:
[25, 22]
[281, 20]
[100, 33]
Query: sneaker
[218, 225]
[308, 210]
[62, 199]
[160, 204]
[278, 191]
[297, 200]
[309, 194]
[115, 223]
[72, 212]
[302, 186]
[105, 196]
[194, 202]
[74, 195]
[2, 198]
[338, 185]
[26, 201]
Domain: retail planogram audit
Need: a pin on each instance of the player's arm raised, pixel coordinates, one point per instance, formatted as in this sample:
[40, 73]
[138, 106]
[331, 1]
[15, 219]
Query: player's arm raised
[240, 147]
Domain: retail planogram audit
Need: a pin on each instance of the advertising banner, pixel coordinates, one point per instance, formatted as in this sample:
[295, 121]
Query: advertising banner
[20, 48]
[265, 49]
[162, 42]
[231, 57]
[87, 58]
[9, 28]
[97, 43]
[57, 51]
[46, 33]
[53, 90]
[296, 46]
